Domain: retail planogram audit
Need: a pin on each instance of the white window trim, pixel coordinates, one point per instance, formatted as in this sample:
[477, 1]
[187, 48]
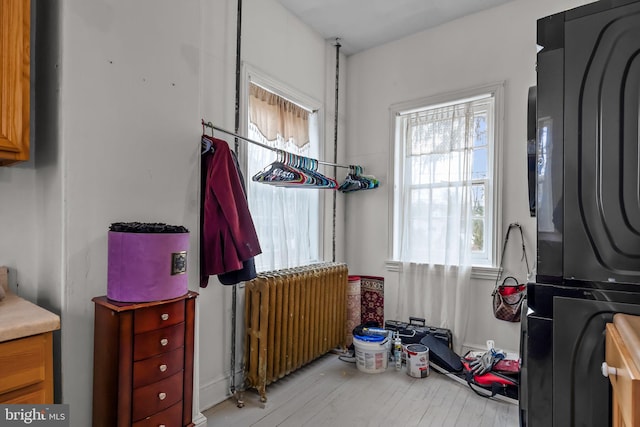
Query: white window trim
[252, 74]
[497, 90]
[477, 272]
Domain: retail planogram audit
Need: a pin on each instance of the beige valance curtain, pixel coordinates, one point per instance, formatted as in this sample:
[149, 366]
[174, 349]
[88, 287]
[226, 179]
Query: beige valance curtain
[275, 116]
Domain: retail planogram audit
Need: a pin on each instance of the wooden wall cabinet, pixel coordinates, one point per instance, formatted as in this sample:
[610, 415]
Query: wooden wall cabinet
[143, 362]
[15, 25]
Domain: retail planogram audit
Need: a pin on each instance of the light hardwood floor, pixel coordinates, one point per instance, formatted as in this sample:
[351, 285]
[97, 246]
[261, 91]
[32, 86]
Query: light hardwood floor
[331, 393]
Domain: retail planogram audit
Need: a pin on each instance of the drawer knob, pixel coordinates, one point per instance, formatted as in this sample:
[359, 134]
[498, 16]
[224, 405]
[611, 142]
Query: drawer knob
[164, 316]
[164, 342]
[162, 425]
[162, 396]
[163, 368]
[608, 370]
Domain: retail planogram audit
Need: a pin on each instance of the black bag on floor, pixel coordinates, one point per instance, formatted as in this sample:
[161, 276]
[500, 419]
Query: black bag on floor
[415, 330]
[441, 354]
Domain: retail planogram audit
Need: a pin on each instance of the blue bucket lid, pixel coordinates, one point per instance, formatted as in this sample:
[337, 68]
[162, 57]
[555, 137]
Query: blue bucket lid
[370, 338]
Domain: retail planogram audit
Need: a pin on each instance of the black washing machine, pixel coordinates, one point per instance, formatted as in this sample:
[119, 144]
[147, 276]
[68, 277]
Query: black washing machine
[563, 347]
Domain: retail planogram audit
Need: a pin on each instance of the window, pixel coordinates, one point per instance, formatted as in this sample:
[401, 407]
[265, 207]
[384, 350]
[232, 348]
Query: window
[545, 202]
[445, 197]
[286, 219]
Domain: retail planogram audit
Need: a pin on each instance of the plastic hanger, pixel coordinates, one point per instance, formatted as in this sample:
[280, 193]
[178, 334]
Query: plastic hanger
[355, 181]
[205, 144]
[291, 170]
[279, 173]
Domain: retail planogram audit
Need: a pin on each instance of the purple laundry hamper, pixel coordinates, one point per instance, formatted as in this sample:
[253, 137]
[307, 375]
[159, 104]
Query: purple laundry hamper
[147, 266]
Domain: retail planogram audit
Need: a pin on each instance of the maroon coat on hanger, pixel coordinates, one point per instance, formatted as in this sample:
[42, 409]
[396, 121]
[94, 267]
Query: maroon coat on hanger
[228, 234]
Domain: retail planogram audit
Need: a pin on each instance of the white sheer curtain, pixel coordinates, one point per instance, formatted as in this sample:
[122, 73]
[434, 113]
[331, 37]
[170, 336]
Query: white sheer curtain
[437, 293]
[435, 238]
[286, 219]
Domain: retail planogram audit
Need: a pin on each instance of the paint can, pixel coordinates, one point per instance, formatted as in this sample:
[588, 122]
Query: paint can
[417, 360]
[372, 353]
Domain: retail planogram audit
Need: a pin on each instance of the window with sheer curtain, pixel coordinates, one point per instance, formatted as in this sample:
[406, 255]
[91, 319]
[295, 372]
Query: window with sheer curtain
[286, 219]
[444, 210]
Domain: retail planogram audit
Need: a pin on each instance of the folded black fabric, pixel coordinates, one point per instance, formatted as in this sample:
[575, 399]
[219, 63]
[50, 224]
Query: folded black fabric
[146, 227]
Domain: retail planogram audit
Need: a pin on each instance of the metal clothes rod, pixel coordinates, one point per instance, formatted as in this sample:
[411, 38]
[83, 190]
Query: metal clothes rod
[210, 125]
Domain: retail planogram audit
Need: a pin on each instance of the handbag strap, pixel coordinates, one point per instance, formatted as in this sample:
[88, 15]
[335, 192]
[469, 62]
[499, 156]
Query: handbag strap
[504, 250]
[494, 387]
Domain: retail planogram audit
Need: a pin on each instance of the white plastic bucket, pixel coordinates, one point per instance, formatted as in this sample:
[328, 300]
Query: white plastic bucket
[372, 353]
[418, 360]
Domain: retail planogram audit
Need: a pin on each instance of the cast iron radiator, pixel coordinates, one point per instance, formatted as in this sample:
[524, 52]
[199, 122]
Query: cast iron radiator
[292, 317]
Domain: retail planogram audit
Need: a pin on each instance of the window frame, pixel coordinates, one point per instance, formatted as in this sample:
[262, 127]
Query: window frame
[396, 168]
[251, 74]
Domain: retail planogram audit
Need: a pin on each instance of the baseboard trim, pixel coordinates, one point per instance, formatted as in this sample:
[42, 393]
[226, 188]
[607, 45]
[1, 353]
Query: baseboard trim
[199, 420]
[215, 391]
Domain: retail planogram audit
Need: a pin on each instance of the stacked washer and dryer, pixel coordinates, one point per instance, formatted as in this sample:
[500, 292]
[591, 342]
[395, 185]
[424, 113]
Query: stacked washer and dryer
[587, 207]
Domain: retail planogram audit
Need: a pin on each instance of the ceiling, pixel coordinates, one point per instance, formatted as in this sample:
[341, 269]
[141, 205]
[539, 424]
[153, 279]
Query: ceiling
[362, 24]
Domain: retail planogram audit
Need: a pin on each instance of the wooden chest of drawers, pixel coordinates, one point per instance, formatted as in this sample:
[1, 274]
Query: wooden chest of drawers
[143, 362]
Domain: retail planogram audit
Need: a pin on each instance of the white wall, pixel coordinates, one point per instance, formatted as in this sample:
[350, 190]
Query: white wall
[129, 128]
[495, 45]
[17, 231]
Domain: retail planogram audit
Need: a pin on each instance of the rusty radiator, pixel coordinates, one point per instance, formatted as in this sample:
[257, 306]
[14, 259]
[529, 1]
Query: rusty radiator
[292, 317]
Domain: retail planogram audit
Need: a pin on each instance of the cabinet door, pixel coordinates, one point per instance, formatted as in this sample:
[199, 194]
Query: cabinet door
[15, 20]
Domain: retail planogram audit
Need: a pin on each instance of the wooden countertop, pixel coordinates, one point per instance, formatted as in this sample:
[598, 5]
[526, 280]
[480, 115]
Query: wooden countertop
[20, 318]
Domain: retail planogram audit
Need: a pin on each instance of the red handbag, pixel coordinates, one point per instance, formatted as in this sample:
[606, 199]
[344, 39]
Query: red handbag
[510, 294]
[508, 299]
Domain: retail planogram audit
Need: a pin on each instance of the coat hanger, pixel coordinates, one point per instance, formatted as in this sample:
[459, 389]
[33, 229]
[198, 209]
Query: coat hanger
[279, 172]
[206, 141]
[321, 181]
[291, 170]
[206, 144]
[310, 167]
[355, 181]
